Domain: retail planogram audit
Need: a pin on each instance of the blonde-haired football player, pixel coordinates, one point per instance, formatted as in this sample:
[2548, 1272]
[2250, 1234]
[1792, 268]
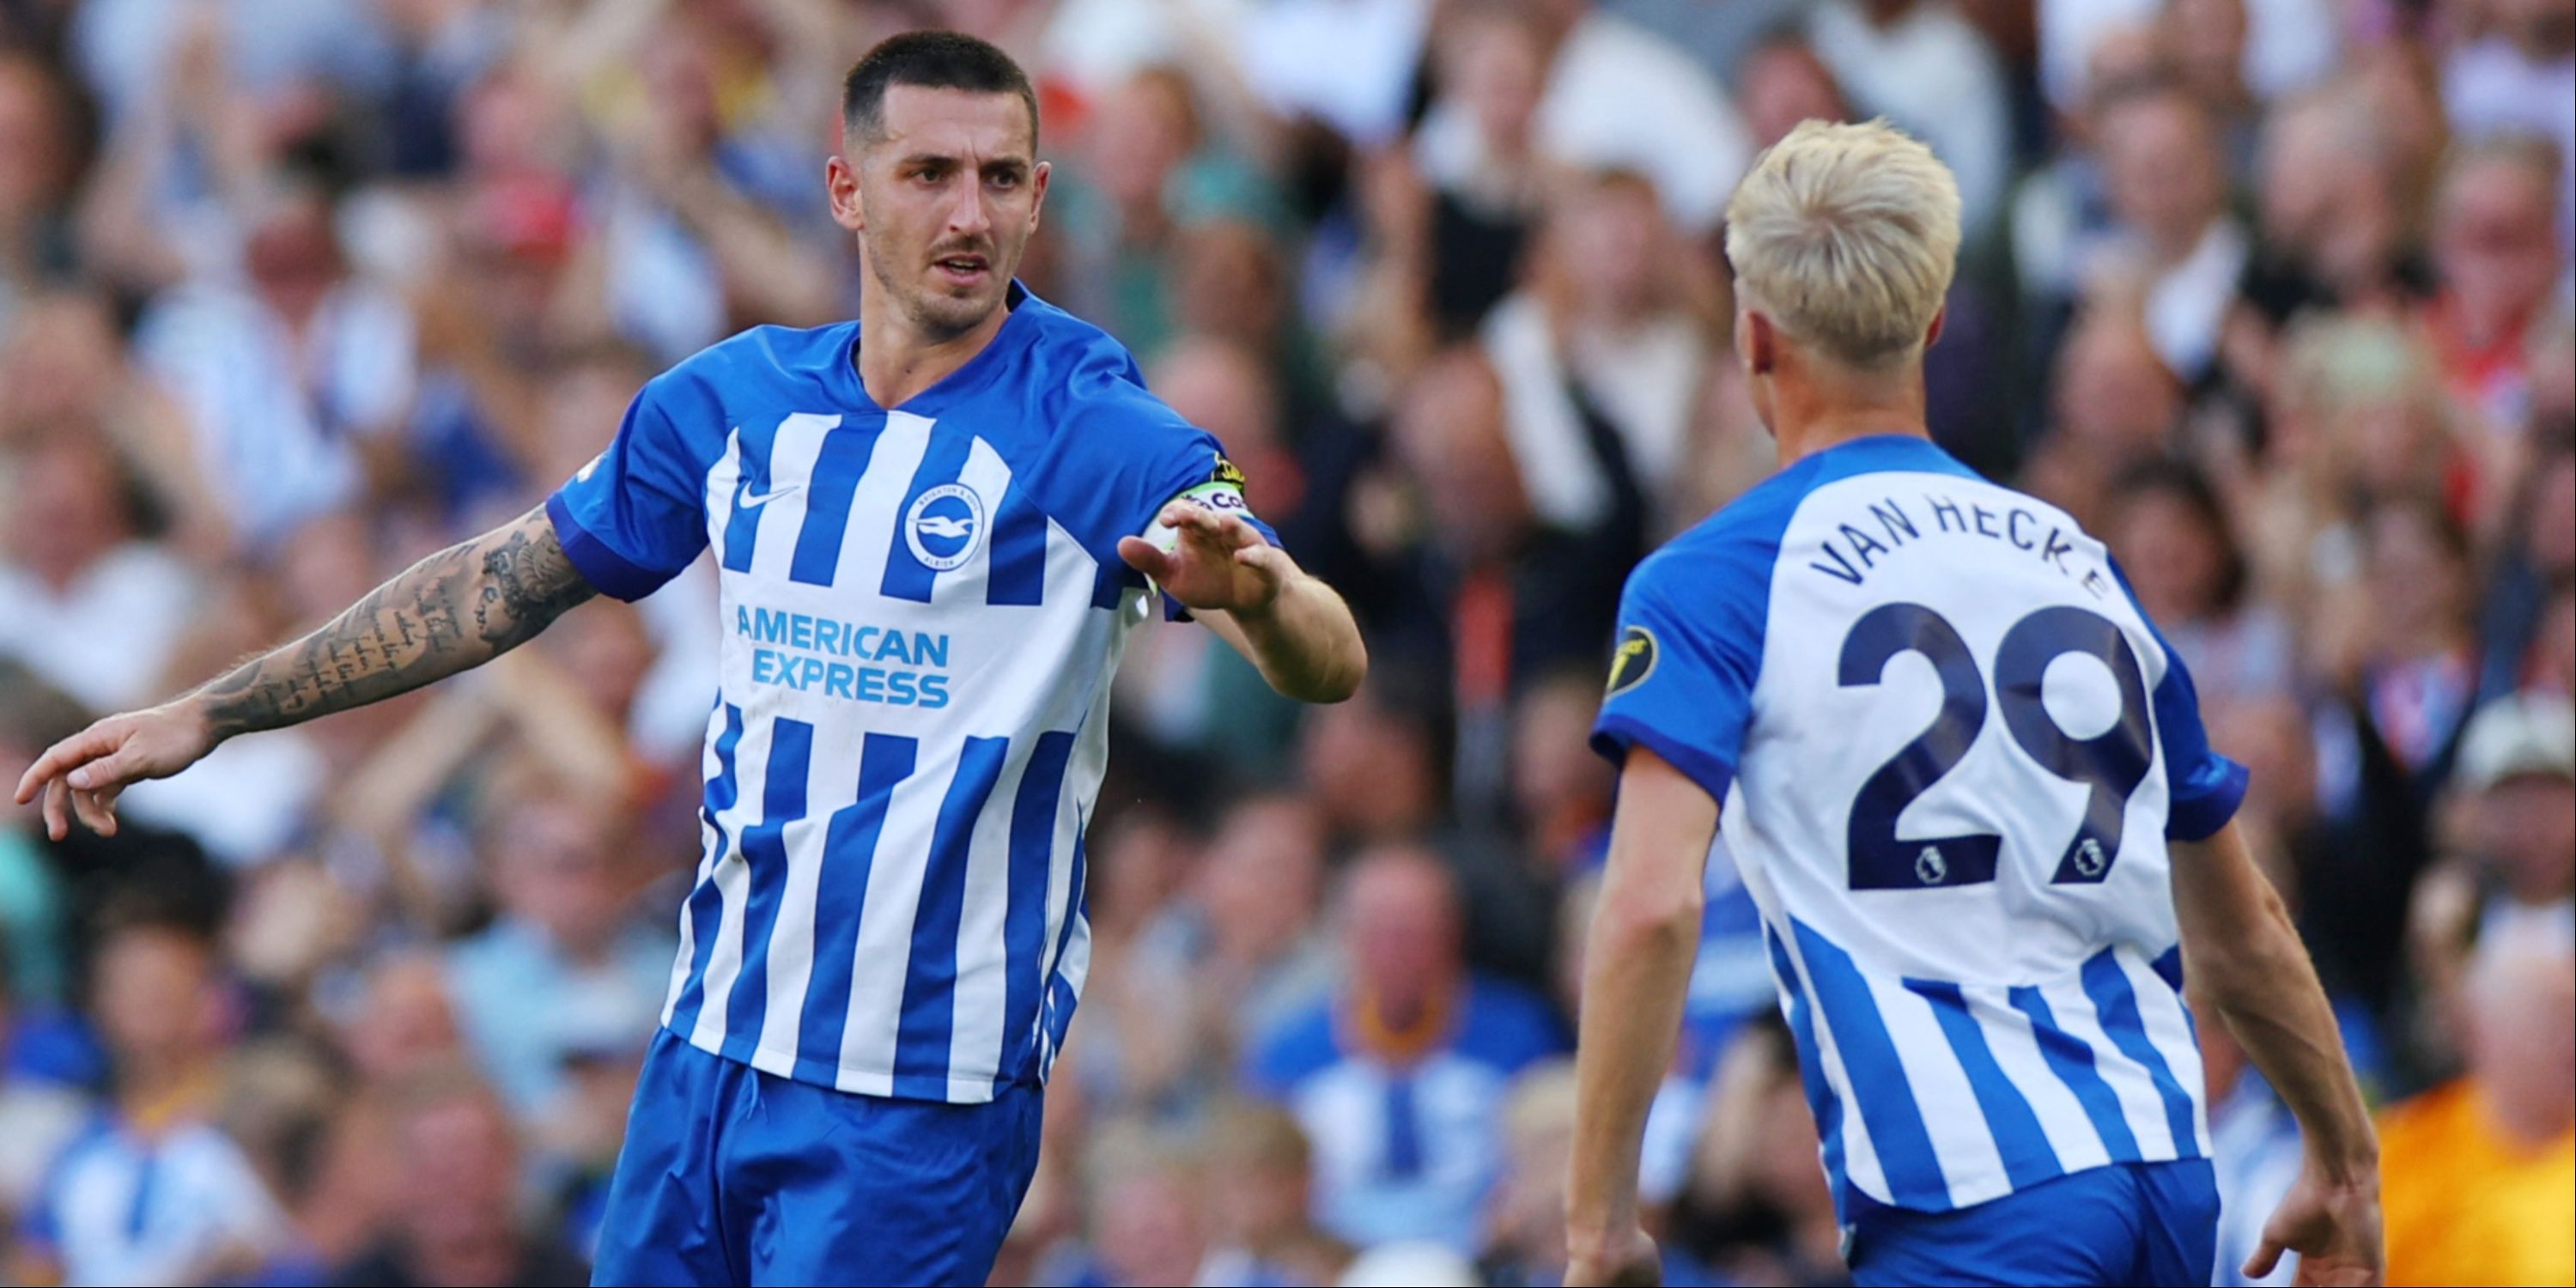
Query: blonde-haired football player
[1967, 786]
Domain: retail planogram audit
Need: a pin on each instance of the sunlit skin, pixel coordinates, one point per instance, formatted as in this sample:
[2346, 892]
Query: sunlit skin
[943, 196]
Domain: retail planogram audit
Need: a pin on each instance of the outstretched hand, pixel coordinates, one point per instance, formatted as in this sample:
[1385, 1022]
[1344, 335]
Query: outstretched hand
[1219, 563]
[82, 775]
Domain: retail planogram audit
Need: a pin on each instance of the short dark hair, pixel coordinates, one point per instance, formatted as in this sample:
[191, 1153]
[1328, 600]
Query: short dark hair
[931, 60]
[2184, 484]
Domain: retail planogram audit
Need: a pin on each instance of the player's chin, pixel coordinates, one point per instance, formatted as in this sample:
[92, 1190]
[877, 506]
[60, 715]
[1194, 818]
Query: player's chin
[962, 301]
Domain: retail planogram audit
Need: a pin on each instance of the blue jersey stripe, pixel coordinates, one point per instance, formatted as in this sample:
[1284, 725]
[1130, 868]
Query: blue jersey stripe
[2028, 1157]
[1828, 1107]
[906, 577]
[929, 986]
[1057, 1011]
[1889, 1109]
[764, 853]
[849, 855]
[1033, 816]
[705, 908]
[742, 526]
[844, 458]
[2071, 1058]
[2168, 964]
[1017, 573]
[2108, 986]
[1403, 1149]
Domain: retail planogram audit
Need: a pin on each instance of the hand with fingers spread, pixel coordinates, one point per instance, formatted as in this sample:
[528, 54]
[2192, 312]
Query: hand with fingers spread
[82, 775]
[1218, 561]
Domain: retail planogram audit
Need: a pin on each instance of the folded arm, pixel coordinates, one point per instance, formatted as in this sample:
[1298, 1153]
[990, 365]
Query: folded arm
[452, 611]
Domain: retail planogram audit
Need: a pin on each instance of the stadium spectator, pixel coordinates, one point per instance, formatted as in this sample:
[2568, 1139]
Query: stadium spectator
[1923, 66]
[2172, 536]
[1609, 333]
[1782, 82]
[2481, 1170]
[152, 1190]
[2516, 788]
[1605, 74]
[1261, 1175]
[37, 1116]
[1397, 1078]
[2496, 262]
[85, 599]
[458, 1220]
[1773, 1215]
[2167, 182]
[565, 970]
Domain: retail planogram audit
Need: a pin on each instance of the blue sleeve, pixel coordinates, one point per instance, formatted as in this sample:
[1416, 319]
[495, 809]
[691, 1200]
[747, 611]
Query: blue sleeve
[632, 519]
[2205, 787]
[1681, 684]
[1191, 465]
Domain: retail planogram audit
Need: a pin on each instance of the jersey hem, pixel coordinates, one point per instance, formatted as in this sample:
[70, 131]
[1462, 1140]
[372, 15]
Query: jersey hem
[884, 1084]
[1855, 1191]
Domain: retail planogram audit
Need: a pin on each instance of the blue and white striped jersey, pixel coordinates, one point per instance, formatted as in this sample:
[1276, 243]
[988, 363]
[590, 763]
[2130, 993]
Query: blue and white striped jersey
[922, 607]
[1949, 750]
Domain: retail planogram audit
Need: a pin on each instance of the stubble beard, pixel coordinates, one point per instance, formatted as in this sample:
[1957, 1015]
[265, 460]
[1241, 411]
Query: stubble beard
[936, 315]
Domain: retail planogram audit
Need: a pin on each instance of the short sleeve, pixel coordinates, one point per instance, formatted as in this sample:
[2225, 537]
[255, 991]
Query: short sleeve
[636, 516]
[1681, 684]
[2205, 788]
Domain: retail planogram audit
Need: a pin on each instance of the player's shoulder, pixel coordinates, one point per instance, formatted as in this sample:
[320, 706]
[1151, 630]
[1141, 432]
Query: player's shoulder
[1091, 384]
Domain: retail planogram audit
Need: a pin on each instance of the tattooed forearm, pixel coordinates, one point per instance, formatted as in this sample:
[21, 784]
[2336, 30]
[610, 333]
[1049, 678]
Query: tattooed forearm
[454, 610]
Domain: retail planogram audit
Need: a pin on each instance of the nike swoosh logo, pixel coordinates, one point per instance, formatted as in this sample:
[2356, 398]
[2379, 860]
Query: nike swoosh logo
[744, 500]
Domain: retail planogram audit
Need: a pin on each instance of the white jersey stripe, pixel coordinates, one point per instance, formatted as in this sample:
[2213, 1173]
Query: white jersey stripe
[832, 784]
[884, 949]
[869, 537]
[1860, 1153]
[792, 453]
[2061, 1116]
[732, 878]
[975, 1032]
[2140, 1108]
[1972, 1167]
[2162, 1011]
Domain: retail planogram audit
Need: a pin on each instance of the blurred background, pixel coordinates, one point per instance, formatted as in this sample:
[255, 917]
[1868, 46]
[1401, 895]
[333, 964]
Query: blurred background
[2273, 295]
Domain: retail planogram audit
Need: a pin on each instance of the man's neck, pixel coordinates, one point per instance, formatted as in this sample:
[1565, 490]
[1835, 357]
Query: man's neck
[1805, 427]
[898, 360]
[1820, 408]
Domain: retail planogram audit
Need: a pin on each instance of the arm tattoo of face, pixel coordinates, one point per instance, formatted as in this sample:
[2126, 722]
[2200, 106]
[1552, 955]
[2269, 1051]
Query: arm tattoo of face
[456, 609]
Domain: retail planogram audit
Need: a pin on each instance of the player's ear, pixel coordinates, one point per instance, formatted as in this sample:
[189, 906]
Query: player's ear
[1037, 191]
[1761, 343]
[1932, 333]
[841, 184]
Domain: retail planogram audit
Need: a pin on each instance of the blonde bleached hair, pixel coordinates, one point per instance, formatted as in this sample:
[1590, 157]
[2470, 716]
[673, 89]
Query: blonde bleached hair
[1846, 237]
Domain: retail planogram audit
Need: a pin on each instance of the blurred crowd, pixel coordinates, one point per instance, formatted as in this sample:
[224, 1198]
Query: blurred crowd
[2273, 295]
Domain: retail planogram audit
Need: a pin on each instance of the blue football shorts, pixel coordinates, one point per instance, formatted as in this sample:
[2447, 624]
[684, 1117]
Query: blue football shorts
[2129, 1223]
[734, 1176]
